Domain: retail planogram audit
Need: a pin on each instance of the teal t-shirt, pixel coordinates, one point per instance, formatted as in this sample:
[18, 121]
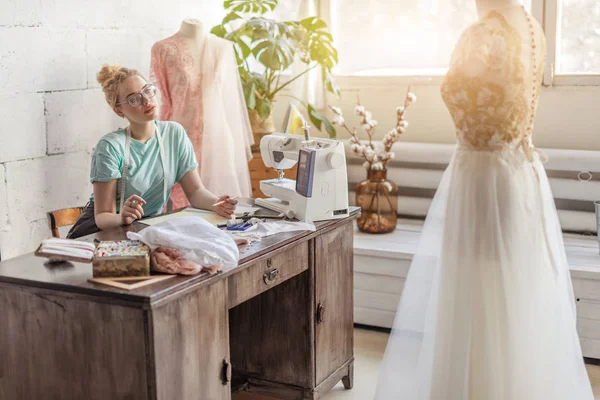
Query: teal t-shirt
[145, 170]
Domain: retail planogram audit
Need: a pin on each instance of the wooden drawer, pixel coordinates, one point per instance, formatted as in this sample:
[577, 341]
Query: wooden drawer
[267, 273]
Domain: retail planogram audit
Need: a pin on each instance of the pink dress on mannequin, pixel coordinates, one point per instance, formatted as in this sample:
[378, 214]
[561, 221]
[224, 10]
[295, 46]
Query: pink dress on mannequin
[200, 88]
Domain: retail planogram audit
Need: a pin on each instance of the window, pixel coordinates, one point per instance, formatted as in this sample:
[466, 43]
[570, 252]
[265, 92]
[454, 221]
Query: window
[391, 37]
[416, 37]
[578, 37]
[573, 41]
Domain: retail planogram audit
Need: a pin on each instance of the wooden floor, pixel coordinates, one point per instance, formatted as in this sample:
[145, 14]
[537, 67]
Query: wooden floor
[368, 351]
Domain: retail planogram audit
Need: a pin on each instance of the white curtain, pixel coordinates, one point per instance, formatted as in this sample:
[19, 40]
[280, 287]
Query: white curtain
[309, 88]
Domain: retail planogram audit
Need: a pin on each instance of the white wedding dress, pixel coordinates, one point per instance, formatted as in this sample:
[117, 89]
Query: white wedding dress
[487, 311]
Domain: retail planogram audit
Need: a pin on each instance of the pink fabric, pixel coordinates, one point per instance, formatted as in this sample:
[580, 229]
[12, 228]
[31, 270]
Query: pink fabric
[169, 260]
[200, 88]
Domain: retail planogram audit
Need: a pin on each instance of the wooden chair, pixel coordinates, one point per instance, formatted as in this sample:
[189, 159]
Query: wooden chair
[64, 217]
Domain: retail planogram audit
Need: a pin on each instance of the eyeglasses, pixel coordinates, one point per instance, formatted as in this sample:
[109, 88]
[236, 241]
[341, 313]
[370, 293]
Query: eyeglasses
[135, 100]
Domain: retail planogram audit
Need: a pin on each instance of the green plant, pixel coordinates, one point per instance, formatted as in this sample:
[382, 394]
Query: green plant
[275, 46]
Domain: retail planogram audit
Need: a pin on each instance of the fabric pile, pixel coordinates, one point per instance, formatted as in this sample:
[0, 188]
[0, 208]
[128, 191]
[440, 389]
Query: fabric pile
[169, 260]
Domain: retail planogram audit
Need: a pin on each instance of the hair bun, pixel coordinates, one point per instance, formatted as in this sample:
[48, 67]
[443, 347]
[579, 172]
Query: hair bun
[107, 72]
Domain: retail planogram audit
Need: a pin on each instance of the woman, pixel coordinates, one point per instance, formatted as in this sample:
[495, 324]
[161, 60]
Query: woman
[152, 155]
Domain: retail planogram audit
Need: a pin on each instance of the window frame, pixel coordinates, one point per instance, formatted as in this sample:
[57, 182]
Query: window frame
[545, 11]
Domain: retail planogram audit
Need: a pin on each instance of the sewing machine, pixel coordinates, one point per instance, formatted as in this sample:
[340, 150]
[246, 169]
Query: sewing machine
[320, 191]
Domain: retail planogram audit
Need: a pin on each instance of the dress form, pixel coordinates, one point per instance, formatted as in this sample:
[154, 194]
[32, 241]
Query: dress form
[192, 32]
[460, 331]
[196, 73]
[191, 28]
[485, 6]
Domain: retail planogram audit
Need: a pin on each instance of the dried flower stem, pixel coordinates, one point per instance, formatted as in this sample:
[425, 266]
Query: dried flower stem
[374, 160]
[370, 130]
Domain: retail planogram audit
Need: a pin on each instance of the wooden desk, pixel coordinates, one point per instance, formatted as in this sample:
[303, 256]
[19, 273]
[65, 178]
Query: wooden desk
[287, 334]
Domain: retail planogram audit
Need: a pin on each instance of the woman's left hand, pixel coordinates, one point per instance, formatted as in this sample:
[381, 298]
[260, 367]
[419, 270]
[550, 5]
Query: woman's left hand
[225, 206]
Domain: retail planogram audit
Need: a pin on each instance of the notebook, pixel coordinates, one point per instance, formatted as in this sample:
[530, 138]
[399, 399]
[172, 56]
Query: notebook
[66, 250]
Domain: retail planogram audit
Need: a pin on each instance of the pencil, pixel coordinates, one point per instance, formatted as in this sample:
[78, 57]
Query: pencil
[224, 201]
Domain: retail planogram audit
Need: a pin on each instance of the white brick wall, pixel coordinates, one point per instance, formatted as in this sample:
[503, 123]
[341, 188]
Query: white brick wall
[36, 186]
[48, 183]
[122, 46]
[115, 14]
[3, 203]
[76, 120]
[23, 129]
[23, 237]
[51, 109]
[20, 12]
[41, 59]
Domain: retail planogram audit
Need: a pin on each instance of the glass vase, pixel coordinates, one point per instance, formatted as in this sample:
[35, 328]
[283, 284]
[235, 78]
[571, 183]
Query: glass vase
[378, 199]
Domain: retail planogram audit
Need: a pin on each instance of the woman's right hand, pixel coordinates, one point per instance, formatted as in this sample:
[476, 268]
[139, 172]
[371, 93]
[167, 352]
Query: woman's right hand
[132, 209]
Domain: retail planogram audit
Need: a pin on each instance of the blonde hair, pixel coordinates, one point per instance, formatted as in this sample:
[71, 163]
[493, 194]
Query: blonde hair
[111, 77]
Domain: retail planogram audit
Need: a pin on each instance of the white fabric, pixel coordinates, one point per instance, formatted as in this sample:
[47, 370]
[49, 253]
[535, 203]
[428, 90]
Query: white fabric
[195, 238]
[308, 88]
[227, 132]
[487, 311]
[264, 229]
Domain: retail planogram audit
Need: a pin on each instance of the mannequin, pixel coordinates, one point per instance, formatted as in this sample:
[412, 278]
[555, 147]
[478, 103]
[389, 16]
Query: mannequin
[191, 28]
[196, 73]
[485, 6]
[488, 297]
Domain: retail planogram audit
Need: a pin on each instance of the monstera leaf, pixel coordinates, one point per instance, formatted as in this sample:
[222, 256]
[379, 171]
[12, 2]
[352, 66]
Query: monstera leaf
[319, 43]
[320, 121]
[255, 87]
[240, 38]
[274, 52]
[219, 30]
[250, 6]
[263, 107]
[330, 82]
[249, 88]
[275, 45]
[273, 27]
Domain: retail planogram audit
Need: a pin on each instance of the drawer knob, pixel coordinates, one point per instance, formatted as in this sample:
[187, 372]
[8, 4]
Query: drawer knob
[270, 276]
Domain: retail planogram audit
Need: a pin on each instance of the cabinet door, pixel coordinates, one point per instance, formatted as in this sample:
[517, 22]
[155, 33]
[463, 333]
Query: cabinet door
[334, 300]
[56, 346]
[191, 343]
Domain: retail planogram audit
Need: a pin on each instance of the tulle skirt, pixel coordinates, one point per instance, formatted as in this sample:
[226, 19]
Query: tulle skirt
[487, 311]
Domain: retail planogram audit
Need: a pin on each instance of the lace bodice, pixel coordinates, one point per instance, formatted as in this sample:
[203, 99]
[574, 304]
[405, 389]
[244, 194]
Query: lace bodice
[490, 86]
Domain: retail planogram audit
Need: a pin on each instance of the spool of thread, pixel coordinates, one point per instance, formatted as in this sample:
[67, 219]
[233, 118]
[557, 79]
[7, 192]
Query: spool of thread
[289, 214]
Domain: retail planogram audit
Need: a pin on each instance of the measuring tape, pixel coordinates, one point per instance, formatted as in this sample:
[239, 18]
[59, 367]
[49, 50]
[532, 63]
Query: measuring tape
[126, 167]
